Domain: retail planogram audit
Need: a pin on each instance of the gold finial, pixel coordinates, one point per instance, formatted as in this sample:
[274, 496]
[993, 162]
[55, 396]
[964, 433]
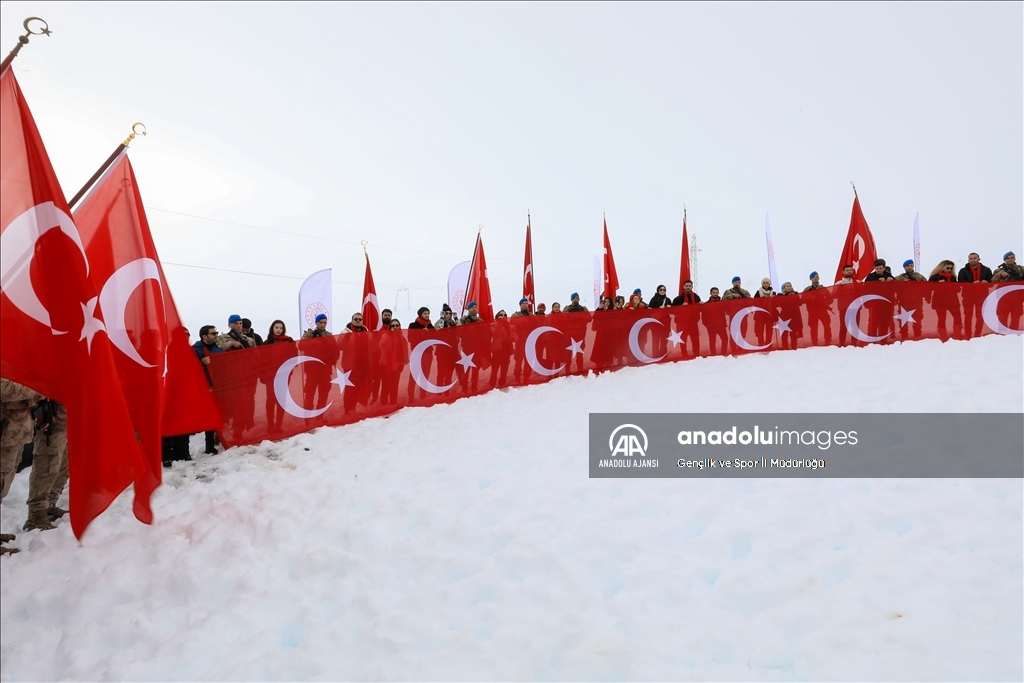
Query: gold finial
[23, 40]
[138, 128]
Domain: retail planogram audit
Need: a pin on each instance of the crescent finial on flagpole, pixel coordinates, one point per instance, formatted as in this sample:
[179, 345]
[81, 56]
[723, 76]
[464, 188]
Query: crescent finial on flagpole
[854, 188]
[364, 243]
[138, 128]
[23, 40]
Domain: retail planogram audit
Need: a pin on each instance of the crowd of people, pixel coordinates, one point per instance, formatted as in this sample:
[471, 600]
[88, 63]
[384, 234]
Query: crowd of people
[29, 418]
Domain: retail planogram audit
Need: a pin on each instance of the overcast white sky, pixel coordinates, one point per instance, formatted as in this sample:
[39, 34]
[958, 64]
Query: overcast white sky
[408, 125]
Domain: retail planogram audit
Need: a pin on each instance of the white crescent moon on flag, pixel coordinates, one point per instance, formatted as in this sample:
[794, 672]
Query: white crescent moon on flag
[734, 328]
[528, 272]
[18, 245]
[114, 298]
[372, 300]
[634, 340]
[851, 318]
[531, 352]
[988, 310]
[282, 394]
[416, 367]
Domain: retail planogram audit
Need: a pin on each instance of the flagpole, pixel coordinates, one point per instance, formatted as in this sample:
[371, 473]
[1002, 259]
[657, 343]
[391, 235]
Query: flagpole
[23, 40]
[106, 164]
[533, 270]
[854, 190]
[472, 262]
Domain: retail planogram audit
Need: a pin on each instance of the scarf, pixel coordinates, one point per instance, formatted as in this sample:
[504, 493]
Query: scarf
[765, 292]
[948, 277]
[275, 338]
[975, 272]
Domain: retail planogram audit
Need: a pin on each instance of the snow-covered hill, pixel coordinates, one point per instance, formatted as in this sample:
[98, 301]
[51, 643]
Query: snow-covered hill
[436, 544]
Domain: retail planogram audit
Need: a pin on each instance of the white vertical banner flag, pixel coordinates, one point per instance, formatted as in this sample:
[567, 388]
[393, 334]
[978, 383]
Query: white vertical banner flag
[598, 281]
[917, 242]
[315, 298]
[772, 273]
[457, 280]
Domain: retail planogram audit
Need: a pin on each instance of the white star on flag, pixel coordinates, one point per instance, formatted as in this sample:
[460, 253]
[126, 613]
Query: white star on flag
[905, 316]
[676, 337]
[342, 380]
[575, 347]
[92, 323]
[466, 361]
[782, 326]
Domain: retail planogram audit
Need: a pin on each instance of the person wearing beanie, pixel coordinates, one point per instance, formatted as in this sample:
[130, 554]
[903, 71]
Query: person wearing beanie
[234, 339]
[1008, 270]
[815, 282]
[524, 307]
[736, 291]
[575, 306]
[909, 274]
[319, 329]
[541, 309]
[422, 321]
[447, 318]
[881, 272]
[819, 303]
[765, 290]
[472, 314]
[787, 289]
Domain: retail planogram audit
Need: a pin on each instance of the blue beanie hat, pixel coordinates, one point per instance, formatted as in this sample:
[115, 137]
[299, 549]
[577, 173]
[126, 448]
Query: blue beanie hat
[786, 283]
[813, 275]
[736, 279]
[636, 291]
[319, 317]
[575, 295]
[471, 304]
[1008, 255]
[234, 318]
[524, 300]
[908, 262]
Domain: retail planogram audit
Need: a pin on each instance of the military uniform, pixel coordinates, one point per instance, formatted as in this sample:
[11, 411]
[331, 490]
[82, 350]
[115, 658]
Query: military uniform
[49, 468]
[16, 411]
[1008, 272]
[575, 307]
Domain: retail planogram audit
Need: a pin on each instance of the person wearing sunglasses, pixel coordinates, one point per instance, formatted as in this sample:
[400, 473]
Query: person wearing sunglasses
[356, 325]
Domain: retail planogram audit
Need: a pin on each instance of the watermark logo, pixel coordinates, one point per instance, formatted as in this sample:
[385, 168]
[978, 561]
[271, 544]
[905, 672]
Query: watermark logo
[628, 443]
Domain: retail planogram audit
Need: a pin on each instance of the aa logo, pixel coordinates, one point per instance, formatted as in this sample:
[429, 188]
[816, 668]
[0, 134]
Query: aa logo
[628, 442]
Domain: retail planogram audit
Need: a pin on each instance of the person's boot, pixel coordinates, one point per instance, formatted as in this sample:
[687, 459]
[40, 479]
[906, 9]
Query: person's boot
[8, 551]
[55, 513]
[38, 520]
[6, 538]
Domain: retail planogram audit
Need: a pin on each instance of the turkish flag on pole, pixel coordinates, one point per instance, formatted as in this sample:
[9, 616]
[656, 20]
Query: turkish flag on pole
[371, 307]
[163, 383]
[684, 261]
[52, 340]
[479, 286]
[528, 290]
[859, 250]
[611, 278]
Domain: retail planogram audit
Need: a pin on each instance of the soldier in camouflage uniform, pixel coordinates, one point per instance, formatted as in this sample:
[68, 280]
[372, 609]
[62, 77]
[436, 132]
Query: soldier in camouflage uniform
[49, 466]
[16, 403]
[575, 306]
[1008, 270]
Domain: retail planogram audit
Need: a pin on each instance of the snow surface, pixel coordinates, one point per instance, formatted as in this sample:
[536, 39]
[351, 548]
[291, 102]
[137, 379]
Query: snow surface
[466, 541]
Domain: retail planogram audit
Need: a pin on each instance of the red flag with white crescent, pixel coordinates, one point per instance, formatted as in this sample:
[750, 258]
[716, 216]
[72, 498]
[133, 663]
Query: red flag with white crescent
[611, 278]
[859, 250]
[371, 307]
[479, 285]
[528, 290]
[684, 261]
[53, 340]
[163, 383]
